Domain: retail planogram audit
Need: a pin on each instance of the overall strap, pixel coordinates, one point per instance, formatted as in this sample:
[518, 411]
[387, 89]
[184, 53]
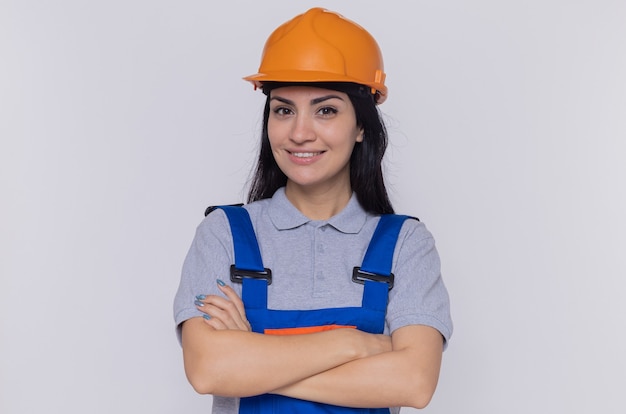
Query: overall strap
[375, 271]
[248, 267]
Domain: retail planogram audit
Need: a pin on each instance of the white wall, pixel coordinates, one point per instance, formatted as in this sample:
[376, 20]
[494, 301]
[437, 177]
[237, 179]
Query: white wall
[121, 120]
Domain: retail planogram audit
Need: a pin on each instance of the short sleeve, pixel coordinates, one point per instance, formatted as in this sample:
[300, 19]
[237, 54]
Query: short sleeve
[419, 296]
[208, 259]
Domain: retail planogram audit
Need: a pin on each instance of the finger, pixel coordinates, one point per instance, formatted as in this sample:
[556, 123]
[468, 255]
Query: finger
[233, 296]
[215, 306]
[200, 302]
[215, 323]
[217, 301]
[218, 317]
[226, 311]
[230, 310]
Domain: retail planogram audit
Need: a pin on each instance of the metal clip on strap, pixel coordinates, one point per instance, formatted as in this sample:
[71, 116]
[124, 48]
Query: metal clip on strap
[237, 275]
[378, 258]
[360, 276]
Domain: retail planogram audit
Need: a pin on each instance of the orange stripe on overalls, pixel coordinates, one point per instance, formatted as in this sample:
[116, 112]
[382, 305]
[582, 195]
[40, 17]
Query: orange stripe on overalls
[305, 329]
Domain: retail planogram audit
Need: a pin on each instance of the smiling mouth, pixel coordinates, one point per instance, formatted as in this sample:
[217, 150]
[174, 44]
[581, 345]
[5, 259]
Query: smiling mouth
[305, 154]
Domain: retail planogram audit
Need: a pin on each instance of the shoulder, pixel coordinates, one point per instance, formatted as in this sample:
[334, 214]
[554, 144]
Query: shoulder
[414, 229]
[411, 228]
[415, 239]
[216, 219]
[256, 208]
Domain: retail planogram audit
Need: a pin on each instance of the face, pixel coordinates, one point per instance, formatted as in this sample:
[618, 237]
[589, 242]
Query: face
[312, 132]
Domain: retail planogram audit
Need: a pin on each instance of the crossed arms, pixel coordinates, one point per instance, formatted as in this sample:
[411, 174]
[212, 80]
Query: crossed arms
[343, 367]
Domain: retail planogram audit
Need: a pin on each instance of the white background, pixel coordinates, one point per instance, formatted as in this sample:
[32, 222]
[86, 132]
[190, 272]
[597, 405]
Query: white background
[120, 121]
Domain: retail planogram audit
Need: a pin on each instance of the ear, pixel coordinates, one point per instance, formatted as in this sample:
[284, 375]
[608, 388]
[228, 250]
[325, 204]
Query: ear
[359, 138]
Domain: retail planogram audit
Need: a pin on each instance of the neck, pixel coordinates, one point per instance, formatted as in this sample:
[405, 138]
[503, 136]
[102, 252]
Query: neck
[318, 204]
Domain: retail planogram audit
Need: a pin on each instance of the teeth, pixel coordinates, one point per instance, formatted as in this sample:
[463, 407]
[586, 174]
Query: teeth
[305, 154]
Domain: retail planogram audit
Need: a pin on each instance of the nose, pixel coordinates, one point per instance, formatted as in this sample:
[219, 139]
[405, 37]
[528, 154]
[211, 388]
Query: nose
[302, 129]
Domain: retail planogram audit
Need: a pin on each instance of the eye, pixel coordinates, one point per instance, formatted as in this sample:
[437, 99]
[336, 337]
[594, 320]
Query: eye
[327, 111]
[282, 111]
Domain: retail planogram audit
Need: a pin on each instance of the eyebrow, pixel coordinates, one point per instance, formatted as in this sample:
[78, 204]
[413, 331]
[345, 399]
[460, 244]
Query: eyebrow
[313, 101]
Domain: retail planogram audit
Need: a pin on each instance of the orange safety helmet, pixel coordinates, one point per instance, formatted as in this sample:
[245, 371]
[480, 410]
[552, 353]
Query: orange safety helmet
[322, 46]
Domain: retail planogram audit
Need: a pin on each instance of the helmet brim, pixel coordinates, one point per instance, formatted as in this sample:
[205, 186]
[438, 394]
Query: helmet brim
[379, 90]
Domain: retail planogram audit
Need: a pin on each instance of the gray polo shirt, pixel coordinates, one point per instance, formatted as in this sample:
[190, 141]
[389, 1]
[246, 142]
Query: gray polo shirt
[312, 261]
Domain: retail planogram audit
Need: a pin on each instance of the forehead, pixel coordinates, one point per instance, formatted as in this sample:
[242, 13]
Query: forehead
[298, 92]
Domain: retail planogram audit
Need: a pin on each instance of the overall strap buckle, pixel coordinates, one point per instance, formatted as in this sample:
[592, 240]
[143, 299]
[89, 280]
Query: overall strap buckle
[248, 268]
[237, 275]
[378, 260]
[361, 276]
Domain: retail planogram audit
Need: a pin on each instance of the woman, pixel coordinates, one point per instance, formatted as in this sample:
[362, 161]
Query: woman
[279, 335]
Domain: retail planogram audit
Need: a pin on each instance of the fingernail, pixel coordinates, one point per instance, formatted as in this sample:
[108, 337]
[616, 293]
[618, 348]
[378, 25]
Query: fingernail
[220, 282]
[201, 297]
[198, 303]
[207, 317]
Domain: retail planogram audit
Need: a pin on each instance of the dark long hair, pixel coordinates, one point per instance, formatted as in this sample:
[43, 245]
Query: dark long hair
[366, 175]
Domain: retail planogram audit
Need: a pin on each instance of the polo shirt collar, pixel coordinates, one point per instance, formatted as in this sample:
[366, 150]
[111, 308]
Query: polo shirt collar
[285, 215]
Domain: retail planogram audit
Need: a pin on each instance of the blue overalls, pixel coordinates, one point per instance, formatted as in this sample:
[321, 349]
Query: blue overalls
[374, 273]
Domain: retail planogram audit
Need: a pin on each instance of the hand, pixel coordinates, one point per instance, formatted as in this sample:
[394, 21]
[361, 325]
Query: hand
[224, 313]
